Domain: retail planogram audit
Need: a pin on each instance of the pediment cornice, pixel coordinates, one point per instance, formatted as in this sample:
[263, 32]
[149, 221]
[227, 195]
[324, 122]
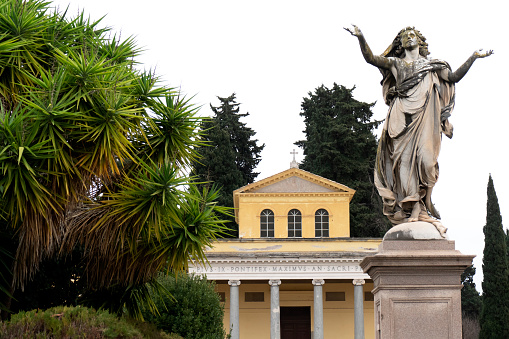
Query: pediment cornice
[295, 172]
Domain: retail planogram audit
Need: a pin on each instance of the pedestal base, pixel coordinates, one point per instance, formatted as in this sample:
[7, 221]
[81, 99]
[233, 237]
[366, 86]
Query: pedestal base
[417, 284]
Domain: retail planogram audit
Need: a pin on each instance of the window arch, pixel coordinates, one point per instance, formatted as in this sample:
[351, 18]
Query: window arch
[321, 223]
[267, 224]
[294, 224]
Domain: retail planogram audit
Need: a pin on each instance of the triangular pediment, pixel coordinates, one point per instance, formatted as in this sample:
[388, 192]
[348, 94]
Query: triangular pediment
[294, 180]
[293, 184]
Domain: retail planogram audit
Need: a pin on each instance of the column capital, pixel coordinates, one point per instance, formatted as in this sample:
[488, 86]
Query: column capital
[234, 283]
[358, 282]
[318, 282]
[275, 282]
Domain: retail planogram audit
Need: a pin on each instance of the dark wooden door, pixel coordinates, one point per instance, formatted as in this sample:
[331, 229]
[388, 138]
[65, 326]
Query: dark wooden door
[295, 322]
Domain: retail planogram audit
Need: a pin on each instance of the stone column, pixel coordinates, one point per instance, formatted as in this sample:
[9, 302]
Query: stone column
[318, 309]
[275, 320]
[234, 308]
[358, 299]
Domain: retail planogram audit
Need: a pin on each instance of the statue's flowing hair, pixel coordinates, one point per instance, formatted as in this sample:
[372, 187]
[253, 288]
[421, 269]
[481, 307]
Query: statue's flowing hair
[396, 48]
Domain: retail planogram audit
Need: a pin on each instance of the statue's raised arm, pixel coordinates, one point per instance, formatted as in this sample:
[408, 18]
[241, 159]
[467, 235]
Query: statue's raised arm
[420, 92]
[456, 76]
[375, 60]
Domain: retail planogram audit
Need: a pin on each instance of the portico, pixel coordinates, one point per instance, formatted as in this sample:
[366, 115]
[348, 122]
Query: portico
[257, 283]
[294, 272]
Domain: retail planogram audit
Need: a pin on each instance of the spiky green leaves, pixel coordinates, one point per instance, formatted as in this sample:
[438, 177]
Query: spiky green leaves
[175, 136]
[145, 223]
[21, 178]
[93, 151]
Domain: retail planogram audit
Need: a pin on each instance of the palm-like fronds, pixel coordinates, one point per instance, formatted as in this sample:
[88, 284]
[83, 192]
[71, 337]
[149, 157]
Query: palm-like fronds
[118, 51]
[175, 134]
[146, 222]
[51, 111]
[106, 132]
[29, 204]
[22, 180]
[145, 90]
[93, 151]
[22, 24]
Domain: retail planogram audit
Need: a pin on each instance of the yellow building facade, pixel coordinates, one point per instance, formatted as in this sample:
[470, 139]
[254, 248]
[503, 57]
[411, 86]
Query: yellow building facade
[294, 270]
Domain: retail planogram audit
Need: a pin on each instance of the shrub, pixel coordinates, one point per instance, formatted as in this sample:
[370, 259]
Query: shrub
[191, 308]
[72, 322]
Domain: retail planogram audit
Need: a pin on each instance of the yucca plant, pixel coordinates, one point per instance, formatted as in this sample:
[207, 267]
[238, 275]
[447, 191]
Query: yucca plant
[93, 152]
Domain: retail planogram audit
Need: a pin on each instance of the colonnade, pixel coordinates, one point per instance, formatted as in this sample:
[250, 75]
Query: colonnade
[275, 319]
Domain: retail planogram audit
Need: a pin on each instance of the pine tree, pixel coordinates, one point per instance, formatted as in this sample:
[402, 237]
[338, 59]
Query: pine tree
[231, 154]
[340, 146]
[495, 309]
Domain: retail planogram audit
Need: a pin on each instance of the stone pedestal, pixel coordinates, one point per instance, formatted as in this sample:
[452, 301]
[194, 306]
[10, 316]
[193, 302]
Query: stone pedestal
[417, 284]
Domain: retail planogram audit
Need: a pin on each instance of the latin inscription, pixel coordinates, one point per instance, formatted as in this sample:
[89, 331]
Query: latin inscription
[268, 269]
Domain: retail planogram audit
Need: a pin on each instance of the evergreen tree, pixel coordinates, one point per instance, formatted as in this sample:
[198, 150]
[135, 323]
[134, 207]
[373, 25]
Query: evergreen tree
[495, 309]
[340, 145]
[470, 299]
[231, 154]
[92, 156]
[507, 244]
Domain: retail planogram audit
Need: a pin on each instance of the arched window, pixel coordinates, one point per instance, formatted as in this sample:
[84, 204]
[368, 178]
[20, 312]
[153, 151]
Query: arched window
[267, 224]
[322, 223]
[294, 224]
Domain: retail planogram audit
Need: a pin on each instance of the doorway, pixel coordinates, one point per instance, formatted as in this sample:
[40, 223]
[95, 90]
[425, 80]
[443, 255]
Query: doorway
[296, 322]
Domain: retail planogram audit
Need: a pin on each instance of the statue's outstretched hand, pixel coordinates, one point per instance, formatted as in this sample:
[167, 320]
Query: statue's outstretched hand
[480, 54]
[355, 31]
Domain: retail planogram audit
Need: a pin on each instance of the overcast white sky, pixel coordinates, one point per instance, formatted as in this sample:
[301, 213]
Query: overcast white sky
[272, 53]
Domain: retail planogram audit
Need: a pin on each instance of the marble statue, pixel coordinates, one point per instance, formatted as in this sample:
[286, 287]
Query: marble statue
[420, 94]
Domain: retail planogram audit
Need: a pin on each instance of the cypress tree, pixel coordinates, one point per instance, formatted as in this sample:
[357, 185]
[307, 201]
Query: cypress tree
[507, 244]
[495, 309]
[231, 154]
[340, 146]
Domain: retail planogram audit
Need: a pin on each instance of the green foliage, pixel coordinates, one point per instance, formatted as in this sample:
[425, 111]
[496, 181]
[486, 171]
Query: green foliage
[233, 154]
[62, 281]
[191, 308]
[495, 299]
[74, 322]
[507, 243]
[93, 154]
[470, 299]
[340, 146]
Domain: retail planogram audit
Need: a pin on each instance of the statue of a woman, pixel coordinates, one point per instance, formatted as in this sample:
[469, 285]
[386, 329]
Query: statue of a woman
[420, 95]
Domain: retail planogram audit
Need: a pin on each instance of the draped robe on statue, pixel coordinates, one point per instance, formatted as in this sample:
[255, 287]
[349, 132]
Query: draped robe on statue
[406, 164]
